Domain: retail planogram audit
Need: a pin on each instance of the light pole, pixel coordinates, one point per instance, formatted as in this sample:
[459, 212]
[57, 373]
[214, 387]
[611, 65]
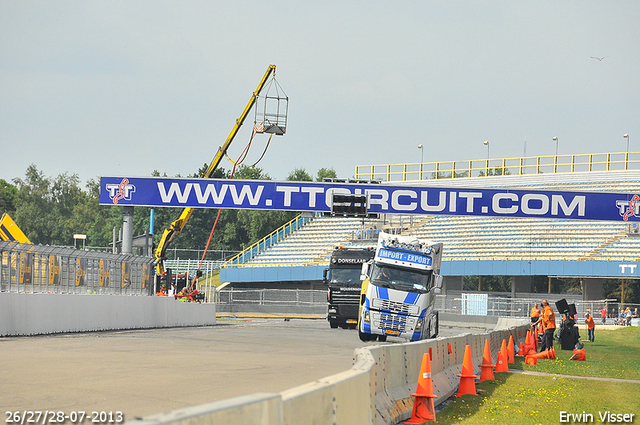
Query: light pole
[626, 157]
[555, 158]
[421, 158]
[486, 143]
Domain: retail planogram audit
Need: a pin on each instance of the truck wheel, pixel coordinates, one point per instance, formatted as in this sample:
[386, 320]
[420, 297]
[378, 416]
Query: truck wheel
[366, 337]
[363, 336]
[333, 324]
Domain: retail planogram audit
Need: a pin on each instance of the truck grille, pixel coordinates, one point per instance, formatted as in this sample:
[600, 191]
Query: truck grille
[396, 323]
[345, 297]
[395, 307]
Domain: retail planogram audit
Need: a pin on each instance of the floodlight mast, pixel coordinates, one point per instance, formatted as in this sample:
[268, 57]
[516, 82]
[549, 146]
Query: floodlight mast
[178, 224]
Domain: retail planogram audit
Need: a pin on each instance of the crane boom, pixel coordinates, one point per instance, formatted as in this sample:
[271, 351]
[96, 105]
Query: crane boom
[178, 224]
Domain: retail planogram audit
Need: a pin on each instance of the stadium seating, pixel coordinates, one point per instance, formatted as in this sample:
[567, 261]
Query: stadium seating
[480, 238]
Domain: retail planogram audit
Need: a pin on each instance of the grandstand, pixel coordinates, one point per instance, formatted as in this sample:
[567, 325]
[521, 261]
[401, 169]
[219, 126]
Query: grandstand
[313, 243]
[471, 243]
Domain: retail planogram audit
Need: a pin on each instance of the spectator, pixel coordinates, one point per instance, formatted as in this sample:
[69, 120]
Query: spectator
[535, 313]
[548, 319]
[591, 327]
[627, 317]
[603, 315]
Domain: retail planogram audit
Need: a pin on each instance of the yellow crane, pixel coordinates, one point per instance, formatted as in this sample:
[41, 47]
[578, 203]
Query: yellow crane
[178, 224]
[9, 230]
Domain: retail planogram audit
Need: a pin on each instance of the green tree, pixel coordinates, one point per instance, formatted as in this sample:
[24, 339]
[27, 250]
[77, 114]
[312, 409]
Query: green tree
[45, 206]
[33, 206]
[328, 173]
[8, 194]
[299, 175]
[95, 220]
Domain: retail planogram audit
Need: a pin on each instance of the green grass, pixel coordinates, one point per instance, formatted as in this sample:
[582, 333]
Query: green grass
[614, 354]
[525, 399]
[529, 399]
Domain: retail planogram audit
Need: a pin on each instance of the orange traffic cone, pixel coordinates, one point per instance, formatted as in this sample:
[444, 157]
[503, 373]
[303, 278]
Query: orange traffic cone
[529, 345]
[467, 378]
[423, 405]
[510, 350]
[530, 361]
[552, 353]
[521, 350]
[579, 354]
[487, 368]
[502, 361]
[546, 354]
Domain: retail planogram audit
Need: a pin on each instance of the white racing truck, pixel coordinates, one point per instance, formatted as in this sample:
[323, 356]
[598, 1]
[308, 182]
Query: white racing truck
[399, 288]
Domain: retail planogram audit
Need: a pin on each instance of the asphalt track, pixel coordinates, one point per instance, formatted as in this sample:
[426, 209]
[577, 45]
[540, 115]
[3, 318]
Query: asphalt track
[144, 372]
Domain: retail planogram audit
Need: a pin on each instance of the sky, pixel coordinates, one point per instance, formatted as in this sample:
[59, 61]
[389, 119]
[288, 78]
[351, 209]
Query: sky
[123, 88]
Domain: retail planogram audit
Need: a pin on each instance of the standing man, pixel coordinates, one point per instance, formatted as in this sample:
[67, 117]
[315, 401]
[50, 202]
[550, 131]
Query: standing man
[603, 315]
[548, 319]
[591, 327]
[535, 313]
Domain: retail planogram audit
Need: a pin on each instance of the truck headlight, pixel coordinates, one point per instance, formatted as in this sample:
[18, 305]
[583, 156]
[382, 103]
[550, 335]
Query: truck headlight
[419, 324]
[367, 317]
[332, 310]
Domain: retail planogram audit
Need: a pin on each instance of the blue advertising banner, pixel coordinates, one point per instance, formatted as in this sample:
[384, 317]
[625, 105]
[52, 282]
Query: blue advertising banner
[383, 199]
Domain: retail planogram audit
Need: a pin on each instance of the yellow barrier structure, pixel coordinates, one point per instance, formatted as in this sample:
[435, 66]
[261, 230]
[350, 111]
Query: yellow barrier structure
[616, 161]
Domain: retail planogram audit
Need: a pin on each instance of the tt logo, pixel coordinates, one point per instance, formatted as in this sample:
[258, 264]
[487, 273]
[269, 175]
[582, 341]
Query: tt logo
[629, 208]
[630, 267]
[120, 191]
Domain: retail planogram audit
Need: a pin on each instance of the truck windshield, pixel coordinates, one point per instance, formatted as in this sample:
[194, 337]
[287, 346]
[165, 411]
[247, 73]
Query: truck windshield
[345, 275]
[410, 280]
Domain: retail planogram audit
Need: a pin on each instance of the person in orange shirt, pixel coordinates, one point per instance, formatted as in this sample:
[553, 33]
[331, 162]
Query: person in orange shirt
[548, 319]
[591, 327]
[162, 292]
[535, 313]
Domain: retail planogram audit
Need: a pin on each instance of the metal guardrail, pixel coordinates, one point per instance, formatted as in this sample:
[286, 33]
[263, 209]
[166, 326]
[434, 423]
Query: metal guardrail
[297, 297]
[26, 268]
[549, 164]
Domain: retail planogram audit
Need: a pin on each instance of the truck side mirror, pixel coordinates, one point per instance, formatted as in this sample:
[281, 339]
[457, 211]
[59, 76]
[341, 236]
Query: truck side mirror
[364, 273]
[324, 276]
[437, 283]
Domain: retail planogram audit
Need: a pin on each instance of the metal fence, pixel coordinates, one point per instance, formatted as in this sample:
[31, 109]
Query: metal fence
[293, 297]
[481, 304]
[26, 268]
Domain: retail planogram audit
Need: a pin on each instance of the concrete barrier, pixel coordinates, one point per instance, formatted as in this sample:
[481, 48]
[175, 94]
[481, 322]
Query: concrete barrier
[375, 391]
[36, 314]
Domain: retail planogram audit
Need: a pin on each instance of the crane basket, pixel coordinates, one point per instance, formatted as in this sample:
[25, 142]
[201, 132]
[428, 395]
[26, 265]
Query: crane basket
[271, 110]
